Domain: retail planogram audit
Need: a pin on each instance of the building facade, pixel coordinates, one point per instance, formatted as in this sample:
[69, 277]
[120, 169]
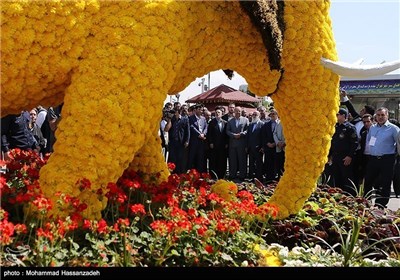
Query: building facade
[380, 91]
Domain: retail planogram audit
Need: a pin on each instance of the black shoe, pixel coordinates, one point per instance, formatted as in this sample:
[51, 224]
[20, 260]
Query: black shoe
[380, 206]
[270, 182]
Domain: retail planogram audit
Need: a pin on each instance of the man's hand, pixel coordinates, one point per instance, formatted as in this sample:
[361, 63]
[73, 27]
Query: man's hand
[271, 145]
[347, 161]
[281, 144]
[7, 156]
[343, 96]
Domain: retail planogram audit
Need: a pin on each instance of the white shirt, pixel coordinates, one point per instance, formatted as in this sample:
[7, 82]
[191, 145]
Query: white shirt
[41, 117]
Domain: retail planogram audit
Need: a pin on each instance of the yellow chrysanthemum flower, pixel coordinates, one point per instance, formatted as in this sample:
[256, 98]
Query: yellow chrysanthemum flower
[268, 257]
[225, 189]
[120, 59]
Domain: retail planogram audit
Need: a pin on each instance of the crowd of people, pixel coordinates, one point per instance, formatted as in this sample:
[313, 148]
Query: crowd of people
[364, 156]
[30, 130]
[230, 144]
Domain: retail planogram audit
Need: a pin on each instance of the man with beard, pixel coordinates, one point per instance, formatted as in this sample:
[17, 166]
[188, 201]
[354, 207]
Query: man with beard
[280, 143]
[269, 147]
[231, 112]
[254, 146]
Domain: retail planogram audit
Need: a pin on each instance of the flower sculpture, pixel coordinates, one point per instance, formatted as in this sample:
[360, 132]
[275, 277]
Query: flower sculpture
[225, 189]
[113, 62]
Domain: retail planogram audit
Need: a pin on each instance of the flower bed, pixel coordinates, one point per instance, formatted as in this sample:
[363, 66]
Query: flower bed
[188, 220]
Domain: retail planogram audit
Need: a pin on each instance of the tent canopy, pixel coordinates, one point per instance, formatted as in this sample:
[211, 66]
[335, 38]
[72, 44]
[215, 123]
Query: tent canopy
[224, 94]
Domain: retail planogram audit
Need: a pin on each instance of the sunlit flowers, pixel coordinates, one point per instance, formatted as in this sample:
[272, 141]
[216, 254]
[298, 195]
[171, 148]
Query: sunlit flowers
[269, 257]
[225, 189]
[305, 83]
[121, 58]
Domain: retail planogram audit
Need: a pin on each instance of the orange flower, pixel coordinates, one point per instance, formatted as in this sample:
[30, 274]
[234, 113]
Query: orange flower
[209, 249]
[267, 211]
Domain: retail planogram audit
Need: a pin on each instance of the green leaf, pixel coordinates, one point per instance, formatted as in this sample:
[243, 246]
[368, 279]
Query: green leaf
[60, 254]
[226, 257]
[175, 253]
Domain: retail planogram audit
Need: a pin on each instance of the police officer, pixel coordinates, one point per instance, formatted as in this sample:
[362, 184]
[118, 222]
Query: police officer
[343, 147]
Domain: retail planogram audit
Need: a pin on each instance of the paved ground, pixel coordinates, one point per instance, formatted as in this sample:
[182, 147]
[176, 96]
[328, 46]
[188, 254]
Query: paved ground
[394, 204]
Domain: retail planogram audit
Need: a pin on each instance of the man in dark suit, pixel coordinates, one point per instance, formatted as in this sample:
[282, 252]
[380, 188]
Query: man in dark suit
[197, 142]
[230, 114]
[254, 146]
[178, 135]
[218, 143]
[236, 131]
[356, 120]
[368, 122]
[15, 133]
[269, 147]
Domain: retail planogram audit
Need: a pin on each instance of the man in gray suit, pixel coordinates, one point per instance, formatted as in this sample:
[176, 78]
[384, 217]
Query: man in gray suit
[237, 131]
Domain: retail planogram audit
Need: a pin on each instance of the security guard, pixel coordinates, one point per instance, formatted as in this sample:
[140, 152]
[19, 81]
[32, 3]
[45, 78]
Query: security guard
[343, 148]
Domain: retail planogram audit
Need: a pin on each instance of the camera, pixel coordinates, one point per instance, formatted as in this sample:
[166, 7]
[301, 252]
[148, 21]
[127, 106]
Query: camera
[168, 114]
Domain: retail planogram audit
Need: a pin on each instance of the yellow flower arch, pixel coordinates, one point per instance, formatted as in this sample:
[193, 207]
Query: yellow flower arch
[113, 62]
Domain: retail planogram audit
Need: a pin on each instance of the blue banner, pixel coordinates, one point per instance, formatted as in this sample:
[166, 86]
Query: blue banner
[371, 87]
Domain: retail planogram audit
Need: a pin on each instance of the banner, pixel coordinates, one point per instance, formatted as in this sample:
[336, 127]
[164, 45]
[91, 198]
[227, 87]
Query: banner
[371, 87]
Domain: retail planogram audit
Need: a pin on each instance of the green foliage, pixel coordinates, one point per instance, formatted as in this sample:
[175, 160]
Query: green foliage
[181, 222]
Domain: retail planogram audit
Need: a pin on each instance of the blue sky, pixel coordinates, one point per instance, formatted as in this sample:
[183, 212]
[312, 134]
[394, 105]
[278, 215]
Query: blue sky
[368, 30]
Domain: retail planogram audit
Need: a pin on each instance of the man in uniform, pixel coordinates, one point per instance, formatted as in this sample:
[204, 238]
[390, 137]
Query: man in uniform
[343, 147]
